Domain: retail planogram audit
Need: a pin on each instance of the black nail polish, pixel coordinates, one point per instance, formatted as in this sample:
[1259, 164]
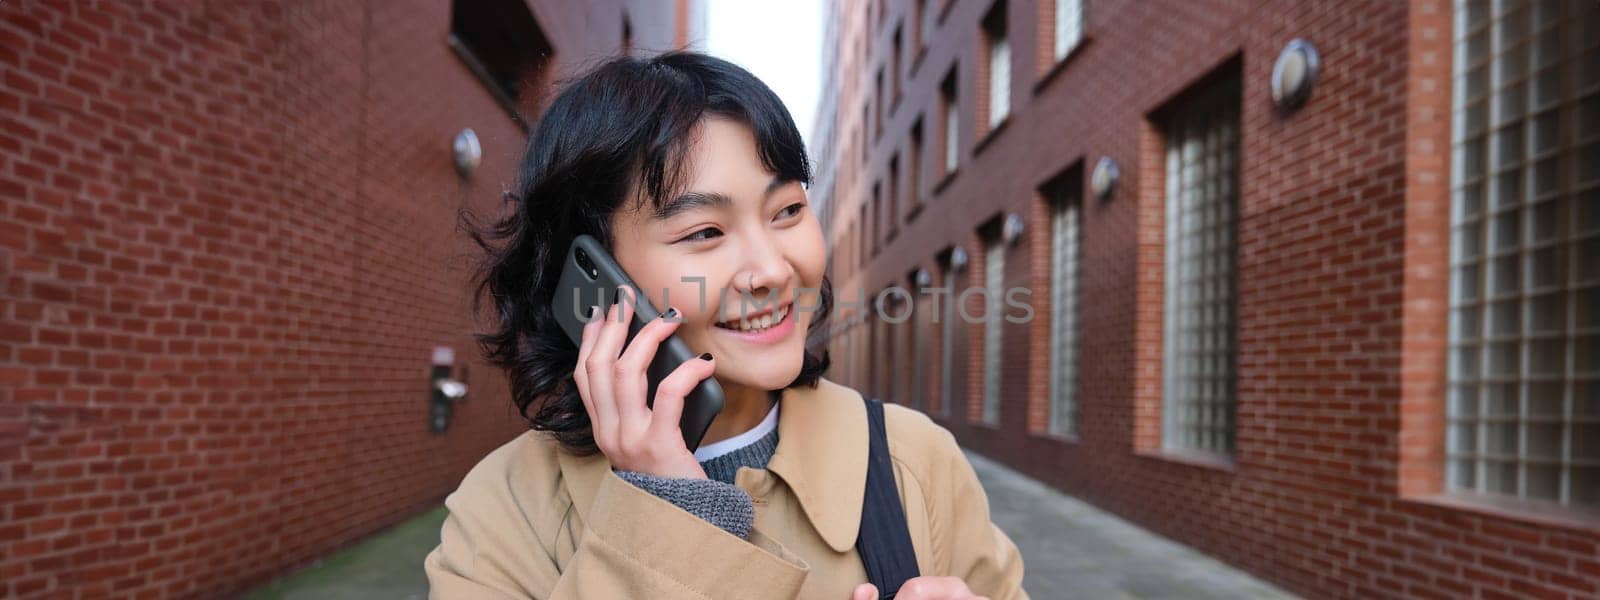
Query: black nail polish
[672, 313]
[706, 356]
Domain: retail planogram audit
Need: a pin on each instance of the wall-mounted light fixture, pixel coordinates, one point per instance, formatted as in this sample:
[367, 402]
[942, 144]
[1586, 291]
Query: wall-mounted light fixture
[445, 390]
[1011, 229]
[467, 152]
[1103, 181]
[1294, 74]
[958, 259]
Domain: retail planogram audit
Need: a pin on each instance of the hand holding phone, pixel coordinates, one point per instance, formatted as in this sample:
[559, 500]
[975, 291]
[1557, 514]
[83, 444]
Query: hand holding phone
[611, 379]
[655, 365]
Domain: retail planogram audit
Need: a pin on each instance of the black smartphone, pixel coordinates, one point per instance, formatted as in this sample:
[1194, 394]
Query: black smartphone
[591, 277]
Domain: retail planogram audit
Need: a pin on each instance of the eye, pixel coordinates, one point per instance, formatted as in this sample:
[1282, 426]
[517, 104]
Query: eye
[791, 210]
[702, 235]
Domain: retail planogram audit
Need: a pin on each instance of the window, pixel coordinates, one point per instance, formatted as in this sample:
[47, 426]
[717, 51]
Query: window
[627, 36]
[890, 374]
[1523, 396]
[846, 249]
[999, 51]
[952, 120]
[503, 45]
[1065, 196]
[864, 233]
[877, 102]
[919, 343]
[864, 125]
[896, 73]
[874, 362]
[1069, 26]
[893, 197]
[914, 170]
[947, 337]
[855, 360]
[877, 215]
[919, 17]
[1198, 329]
[994, 274]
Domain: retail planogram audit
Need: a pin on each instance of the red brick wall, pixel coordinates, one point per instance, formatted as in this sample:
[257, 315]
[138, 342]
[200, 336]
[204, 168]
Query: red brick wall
[227, 246]
[1334, 488]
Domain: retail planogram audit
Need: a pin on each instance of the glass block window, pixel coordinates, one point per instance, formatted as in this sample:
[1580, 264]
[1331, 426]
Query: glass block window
[1523, 396]
[1069, 26]
[1198, 328]
[947, 343]
[994, 273]
[1064, 286]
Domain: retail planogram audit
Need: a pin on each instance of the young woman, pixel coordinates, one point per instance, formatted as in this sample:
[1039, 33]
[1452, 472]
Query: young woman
[692, 173]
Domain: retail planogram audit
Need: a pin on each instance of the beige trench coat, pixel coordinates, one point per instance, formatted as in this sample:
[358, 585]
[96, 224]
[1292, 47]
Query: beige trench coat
[531, 521]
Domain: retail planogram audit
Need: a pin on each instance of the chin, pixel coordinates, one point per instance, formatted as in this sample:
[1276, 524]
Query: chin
[766, 375]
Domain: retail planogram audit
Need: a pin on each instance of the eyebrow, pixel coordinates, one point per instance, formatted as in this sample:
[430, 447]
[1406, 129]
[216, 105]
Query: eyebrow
[693, 200]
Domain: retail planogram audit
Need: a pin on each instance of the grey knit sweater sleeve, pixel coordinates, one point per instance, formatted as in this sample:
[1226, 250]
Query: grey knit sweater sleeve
[722, 504]
[715, 499]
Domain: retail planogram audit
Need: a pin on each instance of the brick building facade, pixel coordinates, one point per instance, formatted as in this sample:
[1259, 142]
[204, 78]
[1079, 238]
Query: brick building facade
[227, 250]
[1284, 389]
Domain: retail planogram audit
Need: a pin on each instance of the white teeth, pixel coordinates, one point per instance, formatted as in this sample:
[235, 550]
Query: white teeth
[761, 322]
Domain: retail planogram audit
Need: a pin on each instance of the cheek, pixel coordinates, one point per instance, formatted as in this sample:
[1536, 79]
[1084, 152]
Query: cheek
[686, 287]
[658, 284]
[809, 253]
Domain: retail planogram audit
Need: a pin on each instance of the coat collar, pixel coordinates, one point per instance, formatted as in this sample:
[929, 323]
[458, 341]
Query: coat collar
[821, 455]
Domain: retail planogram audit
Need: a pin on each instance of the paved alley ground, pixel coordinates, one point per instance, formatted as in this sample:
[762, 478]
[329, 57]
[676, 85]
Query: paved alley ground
[1073, 550]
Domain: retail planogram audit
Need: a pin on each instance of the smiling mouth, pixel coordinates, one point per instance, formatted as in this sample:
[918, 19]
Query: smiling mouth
[757, 324]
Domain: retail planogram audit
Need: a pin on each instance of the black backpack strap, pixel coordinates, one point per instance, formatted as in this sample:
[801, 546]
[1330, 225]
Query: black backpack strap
[884, 542]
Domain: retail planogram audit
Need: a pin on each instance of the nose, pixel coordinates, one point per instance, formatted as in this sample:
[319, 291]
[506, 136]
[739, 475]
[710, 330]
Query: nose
[765, 267]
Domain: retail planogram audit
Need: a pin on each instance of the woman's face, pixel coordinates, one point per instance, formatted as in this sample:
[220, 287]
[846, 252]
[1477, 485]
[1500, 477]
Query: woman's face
[737, 244]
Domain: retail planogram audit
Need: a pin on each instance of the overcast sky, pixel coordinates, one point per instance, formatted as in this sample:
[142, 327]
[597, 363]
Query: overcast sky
[778, 40]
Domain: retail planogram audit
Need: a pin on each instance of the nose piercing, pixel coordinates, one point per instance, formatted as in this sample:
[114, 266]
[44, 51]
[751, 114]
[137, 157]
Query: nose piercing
[750, 282]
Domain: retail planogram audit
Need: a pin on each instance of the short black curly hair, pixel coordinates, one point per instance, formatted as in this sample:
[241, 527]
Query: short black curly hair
[627, 121]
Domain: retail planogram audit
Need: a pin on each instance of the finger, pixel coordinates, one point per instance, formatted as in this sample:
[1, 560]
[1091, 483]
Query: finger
[865, 591]
[608, 342]
[668, 409]
[926, 586]
[633, 380]
[616, 332]
[580, 372]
